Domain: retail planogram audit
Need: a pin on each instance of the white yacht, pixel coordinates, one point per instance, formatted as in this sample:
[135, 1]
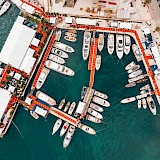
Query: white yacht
[56, 59]
[58, 35]
[130, 65]
[42, 77]
[144, 103]
[95, 113]
[93, 119]
[133, 69]
[119, 46]
[139, 103]
[59, 68]
[59, 53]
[86, 44]
[135, 74]
[137, 78]
[70, 34]
[56, 126]
[128, 100]
[137, 52]
[101, 95]
[151, 105]
[71, 39]
[145, 87]
[4, 7]
[71, 108]
[63, 47]
[61, 104]
[101, 42]
[101, 101]
[110, 43]
[96, 107]
[66, 107]
[1, 2]
[44, 97]
[68, 136]
[86, 128]
[127, 44]
[98, 62]
[64, 129]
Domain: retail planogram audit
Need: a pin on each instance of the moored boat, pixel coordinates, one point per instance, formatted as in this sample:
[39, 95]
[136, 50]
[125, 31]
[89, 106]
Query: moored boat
[1, 2]
[71, 39]
[86, 45]
[42, 77]
[56, 126]
[130, 85]
[34, 114]
[151, 105]
[137, 78]
[145, 87]
[66, 107]
[101, 95]
[110, 43]
[70, 34]
[72, 31]
[59, 68]
[56, 59]
[44, 97]
[139, 103]
[130, 65]
[63, 47]
[59, 53]
[98, 62]
[4, 7]
[64, 129]
[95, 113]
[128, 100]
[101, 42]
[86, 128]
[83, 92]
[144, 103]
[61, 104]
[58, 35]
[127, 44]
[135, 74]
[137, 52]
[68, 136]
[101, 101]
[96, 107]
[141, 80]
[119, 46]
[93, 119]
[133, 69]
[71, 108]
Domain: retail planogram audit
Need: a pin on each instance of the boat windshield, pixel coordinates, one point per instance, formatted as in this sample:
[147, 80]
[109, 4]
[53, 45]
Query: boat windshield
[120, 41]
[152, 105]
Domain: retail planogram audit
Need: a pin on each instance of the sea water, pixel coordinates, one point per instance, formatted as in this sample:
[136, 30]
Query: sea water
[126, 132]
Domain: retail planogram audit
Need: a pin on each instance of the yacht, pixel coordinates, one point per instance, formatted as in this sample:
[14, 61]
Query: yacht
[135, 74]
[34, 114]
[86, 44]
[56, 126]
[101, 95]
[70, 34]
[1, 2]
[68, 136]
[137, 78]
[96, 107]
[83, 92]
[93, 119]
[59, 68]
[133, 69]
[59, 53]
[64, 129]
[101, 42]
[101, 101]
[66, 107]
[151, 105]
[61, 104]
[146, 87]
[98, 62]
[44, 97]
[71, 108]
[139, 103]
[95, 113]
[42, 77]
[86, 128]
[56, 59]
[130, 85]
[4, 7]
[128, 100]
[127, 44]
[119, 46]
[110, 43]
[58, 35]
[63, 47]
[72, 31]
[130, 65]
[71, 39]
[144, 103]
[137, 52]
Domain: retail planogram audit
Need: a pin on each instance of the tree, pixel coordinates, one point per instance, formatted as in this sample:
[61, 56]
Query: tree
[8, 77]
[3, 82]
[148, 1]
[157, 29]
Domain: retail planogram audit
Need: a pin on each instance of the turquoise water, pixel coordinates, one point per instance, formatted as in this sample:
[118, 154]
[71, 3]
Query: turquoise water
[125, 134]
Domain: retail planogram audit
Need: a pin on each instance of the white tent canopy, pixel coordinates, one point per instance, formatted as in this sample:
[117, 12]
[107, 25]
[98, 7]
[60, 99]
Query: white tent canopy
[125, 25]
[41, 111]
[86, 21]
[146, 31]
[155, 51]
[28, 8]
[68, 19]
